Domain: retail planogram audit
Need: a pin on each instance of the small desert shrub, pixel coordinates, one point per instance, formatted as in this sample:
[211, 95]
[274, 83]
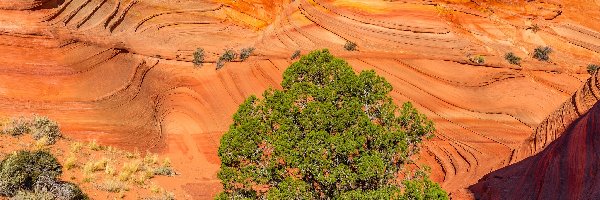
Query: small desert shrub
[535, 28]
[151, 159]
[164, 171]
[113, 186]
[198, 57]
[94, 166]
[94, 146]
[43, 127]
[166, 162]
[478, 59]
[350, 46]
[542, 53]
[220, 64]
[512, 58]
[71, 162]
[17, 126]
[295, 55]
[110, 170]
[58, 189]
[245, 53]
[228, 56]
[592, 68]
[132, 155]
[76, 147]
[143, 177]
[20, 170]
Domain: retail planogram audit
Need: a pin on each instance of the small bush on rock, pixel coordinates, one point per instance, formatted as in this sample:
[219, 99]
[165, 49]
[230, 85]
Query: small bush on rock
[228, 56]
[350, 46]
[245, 53]
[478, 59]
[542, 53]
[198, 57]
[592, 68]
[512, 58]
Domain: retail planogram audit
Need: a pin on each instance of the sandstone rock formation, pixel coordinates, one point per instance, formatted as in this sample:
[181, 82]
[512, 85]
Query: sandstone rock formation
[566, 169]
[120, 71]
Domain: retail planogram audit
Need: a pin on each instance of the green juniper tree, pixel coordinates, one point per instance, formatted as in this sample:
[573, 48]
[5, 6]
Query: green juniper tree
[329, 134]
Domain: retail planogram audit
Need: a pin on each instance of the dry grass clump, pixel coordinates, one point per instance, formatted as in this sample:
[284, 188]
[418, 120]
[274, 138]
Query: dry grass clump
[113, 186]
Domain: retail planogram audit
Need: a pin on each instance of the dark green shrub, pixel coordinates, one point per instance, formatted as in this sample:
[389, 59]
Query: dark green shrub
[43, 127]
[295, 55]
[329, 134]
[17, 127]
[245, 53]
[592, 68]
[198, 57]
[350, 46]
[20, 170]
[512, 58]
[542, 53]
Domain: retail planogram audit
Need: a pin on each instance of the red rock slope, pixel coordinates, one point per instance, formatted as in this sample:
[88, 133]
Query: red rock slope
[119, 71]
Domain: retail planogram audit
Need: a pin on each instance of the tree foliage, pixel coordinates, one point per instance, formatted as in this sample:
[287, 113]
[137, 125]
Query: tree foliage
[330, 133]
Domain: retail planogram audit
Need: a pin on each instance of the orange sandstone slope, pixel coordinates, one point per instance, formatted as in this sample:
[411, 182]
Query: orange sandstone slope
[119, 71]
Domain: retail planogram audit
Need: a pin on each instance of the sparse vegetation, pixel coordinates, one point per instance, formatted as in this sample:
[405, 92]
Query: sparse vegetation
[113, 186]
[26, 174]
[43, 127]
[592, 68]
[71, 162]
[245, 53]
[17, 127]
[164, 171]
[296, 144]
[228, 56]
[477, 59]
[44, 130]
[198, 57]
[76, 147]
[535, 28]
[350, 46]
[89, 164]
[296, 55]
[512, 58]
[542, 53]
[94, 146]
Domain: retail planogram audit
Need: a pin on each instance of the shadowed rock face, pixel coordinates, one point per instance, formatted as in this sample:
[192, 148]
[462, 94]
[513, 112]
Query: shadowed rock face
[566, 169]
